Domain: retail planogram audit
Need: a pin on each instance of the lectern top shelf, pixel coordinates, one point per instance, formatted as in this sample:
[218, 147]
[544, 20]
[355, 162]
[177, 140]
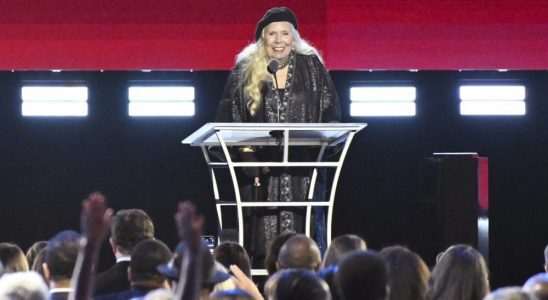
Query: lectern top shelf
[267, 134]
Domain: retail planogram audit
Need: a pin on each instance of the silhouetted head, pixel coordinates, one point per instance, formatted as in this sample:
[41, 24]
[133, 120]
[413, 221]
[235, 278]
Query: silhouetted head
[460, 273]
[340, 246]
[509, 293]
[13, 258]
[61, 254]
[362, 275]
[537, 285]
[274, 249]
[145, 259]
[299, 252]
[128, 228]
[296, 284]
[407, 273]
[211, 272]
[33, 250]
[233, 254]
[23, 285]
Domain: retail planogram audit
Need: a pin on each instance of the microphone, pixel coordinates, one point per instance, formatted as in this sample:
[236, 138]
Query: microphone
[272, 66]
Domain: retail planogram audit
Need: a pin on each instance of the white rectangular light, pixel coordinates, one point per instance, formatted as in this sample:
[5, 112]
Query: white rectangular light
[492, 108]
[169, 101]
[161, 108]
[161, 93]
[51, 101]
[54, 108]
[383, 93]
[55, 93]
[492, 92]
[382, 109]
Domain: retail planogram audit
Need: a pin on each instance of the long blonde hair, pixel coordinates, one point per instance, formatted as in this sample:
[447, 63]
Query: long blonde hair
[254, 59]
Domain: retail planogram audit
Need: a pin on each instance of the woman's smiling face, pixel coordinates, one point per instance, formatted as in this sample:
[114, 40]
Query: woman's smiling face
[278, 39]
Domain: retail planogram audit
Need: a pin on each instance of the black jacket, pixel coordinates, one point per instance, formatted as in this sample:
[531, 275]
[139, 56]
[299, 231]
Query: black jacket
[113, 280]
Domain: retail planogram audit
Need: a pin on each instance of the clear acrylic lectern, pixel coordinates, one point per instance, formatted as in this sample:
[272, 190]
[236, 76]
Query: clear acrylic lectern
[285, 136]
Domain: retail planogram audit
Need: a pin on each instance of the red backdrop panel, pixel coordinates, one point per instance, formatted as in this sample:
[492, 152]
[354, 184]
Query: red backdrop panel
[207, 34]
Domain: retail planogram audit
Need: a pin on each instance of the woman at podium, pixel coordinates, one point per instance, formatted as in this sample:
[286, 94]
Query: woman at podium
[280, 78]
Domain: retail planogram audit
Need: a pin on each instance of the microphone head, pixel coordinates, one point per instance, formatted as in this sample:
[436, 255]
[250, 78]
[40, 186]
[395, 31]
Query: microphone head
[272, 66]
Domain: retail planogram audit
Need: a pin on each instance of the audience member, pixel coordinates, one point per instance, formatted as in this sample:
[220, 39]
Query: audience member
[160, 294]
[38, 263]
[538, 286]
[460, 274]
[233, 294]
[340, 246]
[23, 286]
[328, 275]
[95, 220]
[362, 275]
[129, 227]
[61, 253]
[509, 293]
[233, 254]
[274, 249]
[245, 283]
[33, 251]
[299, 252]
[142, 273]
[296, 284]
[407, 273]
[211, 272]
[13, 258]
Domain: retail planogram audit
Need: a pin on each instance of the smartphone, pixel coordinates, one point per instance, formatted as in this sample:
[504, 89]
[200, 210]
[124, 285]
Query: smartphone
[209, 241]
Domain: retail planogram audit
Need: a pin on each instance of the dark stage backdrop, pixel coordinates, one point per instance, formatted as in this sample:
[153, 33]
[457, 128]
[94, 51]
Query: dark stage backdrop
[206, 34]
[50, 164]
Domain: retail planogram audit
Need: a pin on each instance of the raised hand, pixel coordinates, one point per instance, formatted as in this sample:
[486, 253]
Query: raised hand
[245, 283]
[95, 221]
[96, 217]
[189, 225]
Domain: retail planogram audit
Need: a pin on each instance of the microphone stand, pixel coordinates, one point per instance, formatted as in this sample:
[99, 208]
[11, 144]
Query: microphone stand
[277, 94]
[277, 134]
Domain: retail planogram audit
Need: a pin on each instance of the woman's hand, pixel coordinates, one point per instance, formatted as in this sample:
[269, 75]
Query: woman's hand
[245, 283]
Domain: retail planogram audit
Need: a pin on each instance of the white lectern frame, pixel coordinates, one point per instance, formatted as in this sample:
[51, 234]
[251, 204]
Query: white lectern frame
[321, 135]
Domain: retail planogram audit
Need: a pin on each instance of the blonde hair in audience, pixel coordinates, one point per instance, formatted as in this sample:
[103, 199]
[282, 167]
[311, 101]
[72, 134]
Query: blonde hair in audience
[13, 258]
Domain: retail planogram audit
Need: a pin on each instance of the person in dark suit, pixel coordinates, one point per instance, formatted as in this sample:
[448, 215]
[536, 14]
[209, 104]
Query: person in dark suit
[61, 253]
[129, 227]
[142, 272]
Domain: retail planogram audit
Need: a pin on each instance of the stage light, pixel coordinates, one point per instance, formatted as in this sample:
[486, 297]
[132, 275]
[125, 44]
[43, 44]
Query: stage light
[54, 101]
[383, 101]
[492, 99]
[492, 92]
[492, 108]
[161, 101]
[161, 109]
[382, 109]
[161, 93]
[383, 93]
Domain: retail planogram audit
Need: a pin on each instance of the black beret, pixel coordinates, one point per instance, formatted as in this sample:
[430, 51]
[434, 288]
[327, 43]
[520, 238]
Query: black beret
[275, 14]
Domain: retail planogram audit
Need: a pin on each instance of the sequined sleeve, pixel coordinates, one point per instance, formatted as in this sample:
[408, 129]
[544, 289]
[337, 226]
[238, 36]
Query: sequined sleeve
[330, 108]
[230, 107]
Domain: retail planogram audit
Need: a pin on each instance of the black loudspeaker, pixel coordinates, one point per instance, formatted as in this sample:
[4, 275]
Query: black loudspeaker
[454, 203]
